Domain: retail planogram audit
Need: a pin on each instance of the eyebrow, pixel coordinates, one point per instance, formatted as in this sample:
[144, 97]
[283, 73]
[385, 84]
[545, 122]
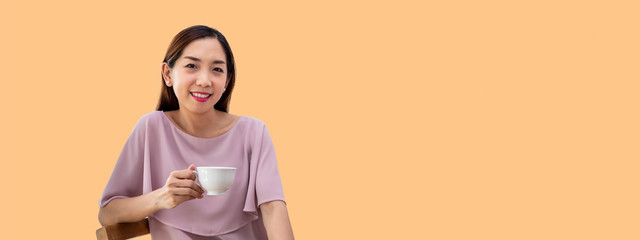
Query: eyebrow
[198, 60]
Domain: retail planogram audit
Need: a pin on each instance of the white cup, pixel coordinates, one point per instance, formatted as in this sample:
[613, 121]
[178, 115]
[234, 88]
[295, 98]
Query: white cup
[215, 180]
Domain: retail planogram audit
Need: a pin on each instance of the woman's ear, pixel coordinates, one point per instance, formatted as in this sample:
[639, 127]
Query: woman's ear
[166, 74]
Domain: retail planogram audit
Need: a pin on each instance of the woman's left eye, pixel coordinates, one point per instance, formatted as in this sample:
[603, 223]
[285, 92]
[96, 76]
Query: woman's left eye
[218, 69]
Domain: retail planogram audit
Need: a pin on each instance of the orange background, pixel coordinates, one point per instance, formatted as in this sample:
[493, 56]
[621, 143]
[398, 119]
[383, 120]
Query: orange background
[391, 119]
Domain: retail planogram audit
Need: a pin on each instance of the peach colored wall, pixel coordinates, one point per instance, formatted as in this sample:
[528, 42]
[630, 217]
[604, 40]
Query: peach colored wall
[391, 119]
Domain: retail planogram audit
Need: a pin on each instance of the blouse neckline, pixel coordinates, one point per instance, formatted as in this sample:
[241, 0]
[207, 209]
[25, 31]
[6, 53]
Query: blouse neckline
[165, 117]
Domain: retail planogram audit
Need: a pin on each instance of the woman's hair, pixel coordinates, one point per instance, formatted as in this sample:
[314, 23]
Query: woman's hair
[168, 100]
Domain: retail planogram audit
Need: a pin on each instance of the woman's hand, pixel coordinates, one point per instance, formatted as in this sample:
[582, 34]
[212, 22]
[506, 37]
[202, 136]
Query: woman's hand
[180, 187]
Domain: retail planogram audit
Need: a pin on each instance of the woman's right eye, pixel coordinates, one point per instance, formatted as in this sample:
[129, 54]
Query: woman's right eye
[190, 65]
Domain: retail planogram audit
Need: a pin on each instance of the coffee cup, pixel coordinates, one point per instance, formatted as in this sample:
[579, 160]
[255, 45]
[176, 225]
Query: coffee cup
[215, 180]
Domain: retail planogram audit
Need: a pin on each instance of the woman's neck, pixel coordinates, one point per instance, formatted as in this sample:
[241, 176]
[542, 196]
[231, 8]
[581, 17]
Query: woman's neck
[199, 124]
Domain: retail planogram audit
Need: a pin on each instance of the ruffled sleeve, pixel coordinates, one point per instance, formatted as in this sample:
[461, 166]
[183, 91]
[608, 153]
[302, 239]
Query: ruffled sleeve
[127, 177]
[264, 181]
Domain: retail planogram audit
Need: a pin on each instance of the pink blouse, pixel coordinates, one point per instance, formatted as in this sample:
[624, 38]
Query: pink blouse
[156, 147]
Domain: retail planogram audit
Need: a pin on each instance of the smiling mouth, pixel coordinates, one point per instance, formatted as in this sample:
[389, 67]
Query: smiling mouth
[200, 97]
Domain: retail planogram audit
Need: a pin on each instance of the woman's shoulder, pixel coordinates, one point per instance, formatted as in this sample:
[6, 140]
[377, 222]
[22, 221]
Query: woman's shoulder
[152, 119]
[154, 116]
[251, 121]
[252, 127]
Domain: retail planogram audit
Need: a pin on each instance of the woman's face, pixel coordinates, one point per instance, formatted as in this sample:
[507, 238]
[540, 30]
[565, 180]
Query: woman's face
[199, 76]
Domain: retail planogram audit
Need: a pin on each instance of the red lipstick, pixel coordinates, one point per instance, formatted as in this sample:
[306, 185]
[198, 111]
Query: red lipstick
[201, 96]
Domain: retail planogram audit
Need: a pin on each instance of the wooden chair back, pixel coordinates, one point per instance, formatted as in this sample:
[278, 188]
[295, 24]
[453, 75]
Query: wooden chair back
[121, 231]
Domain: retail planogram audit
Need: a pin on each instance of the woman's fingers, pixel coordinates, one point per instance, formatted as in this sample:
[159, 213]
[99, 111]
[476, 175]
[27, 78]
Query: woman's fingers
[175, 183]
[185, 183]
[183, 174]
[180, 187]
[183, 191]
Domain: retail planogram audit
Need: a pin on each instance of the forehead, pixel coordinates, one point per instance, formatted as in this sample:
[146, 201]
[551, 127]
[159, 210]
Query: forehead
[205, 49]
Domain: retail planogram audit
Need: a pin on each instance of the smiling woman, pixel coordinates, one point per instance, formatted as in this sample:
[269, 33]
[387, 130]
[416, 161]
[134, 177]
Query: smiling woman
[200, 73]
[168, 100]
[154, 176]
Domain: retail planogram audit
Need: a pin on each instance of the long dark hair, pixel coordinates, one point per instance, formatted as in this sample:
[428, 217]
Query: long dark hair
[168, 100]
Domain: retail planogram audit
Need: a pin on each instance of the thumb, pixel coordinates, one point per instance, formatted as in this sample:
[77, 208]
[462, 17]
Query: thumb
[192, 167]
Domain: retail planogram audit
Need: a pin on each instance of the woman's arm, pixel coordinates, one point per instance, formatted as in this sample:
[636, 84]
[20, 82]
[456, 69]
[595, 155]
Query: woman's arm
[128, 209]
[180, 187]
[276, 220]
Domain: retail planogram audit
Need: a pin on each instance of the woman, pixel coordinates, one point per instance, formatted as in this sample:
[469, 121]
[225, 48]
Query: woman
[153, 176]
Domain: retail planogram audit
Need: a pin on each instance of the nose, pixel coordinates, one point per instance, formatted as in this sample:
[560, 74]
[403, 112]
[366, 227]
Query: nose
[204, 80]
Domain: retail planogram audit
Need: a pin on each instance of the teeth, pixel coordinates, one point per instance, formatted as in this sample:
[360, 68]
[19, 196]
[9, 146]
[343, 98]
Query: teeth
[201, 95]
